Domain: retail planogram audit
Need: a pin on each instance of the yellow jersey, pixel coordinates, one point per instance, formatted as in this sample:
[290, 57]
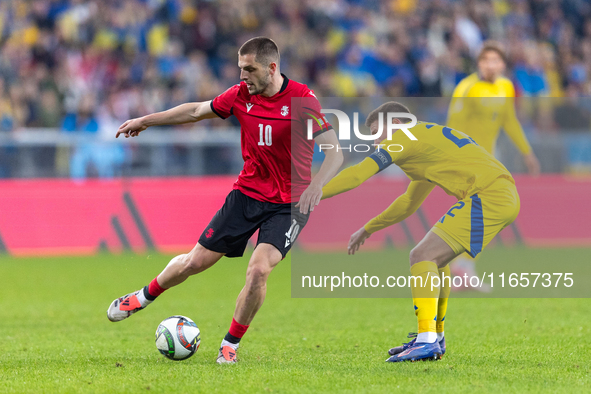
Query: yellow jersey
[440, 156]
[480, 109]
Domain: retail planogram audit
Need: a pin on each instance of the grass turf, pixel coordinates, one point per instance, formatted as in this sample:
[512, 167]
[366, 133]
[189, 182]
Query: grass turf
[55, 337]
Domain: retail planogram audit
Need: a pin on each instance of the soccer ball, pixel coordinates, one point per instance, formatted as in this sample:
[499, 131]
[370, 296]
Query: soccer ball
[177, 338]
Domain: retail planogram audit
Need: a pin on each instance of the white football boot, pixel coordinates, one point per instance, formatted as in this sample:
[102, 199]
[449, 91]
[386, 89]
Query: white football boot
[125, 306]
[227, 355]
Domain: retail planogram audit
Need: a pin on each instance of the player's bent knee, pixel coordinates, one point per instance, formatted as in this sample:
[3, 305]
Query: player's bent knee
[419, 254]
[416, 255]
[257, 274]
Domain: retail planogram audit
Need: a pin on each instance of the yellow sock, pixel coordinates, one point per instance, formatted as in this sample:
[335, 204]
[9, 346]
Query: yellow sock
[425, 297]
[444, 291]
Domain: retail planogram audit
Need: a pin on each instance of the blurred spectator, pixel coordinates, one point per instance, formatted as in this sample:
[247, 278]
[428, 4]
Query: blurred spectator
[6, 112]
[49, 113]
[104, 157]
[530, 76]
[160, 52]
[141, 56]
[7, 151]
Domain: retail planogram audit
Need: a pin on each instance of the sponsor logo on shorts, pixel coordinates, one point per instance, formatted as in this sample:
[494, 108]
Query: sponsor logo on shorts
[209, 233]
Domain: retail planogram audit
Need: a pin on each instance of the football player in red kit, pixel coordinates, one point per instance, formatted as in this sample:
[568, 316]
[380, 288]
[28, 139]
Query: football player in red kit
[274, 192]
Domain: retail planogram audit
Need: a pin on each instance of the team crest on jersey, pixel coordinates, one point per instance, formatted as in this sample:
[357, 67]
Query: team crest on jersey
[285, 110]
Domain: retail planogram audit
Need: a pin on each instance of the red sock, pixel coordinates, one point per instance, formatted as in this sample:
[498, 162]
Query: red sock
[236, 329]
[154, 288]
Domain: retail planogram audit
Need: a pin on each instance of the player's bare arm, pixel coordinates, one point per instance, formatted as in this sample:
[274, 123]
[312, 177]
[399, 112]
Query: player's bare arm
[184, 113]
[332, 162]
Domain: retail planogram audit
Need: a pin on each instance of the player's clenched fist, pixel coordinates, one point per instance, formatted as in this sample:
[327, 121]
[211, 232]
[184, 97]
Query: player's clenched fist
[131, 128]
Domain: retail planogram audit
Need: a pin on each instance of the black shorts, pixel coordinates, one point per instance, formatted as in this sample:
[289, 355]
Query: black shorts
[241, 216]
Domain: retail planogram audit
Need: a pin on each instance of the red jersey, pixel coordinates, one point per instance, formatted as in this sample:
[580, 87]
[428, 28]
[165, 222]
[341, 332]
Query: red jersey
[276, 151]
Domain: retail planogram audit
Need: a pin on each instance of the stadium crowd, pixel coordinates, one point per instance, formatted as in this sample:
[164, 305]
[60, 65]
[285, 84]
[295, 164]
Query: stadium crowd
[75, 64]
[86, 66]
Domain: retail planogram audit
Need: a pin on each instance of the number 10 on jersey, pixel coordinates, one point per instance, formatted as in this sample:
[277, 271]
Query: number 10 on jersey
[265, 136]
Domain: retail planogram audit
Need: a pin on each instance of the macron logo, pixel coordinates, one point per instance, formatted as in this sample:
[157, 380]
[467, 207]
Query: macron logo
[248, 107]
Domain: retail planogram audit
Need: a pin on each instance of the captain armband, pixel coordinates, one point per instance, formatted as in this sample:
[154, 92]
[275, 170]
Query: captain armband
[382, 159]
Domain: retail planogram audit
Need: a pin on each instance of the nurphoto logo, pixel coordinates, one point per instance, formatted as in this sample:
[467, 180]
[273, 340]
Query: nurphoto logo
[344, 128]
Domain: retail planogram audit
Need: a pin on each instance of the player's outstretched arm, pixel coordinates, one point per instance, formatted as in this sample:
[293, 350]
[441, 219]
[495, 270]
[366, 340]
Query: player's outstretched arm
[333, 160]
[184, 113]
[457, 111]
[400, 209]
[532, 164]
[514, 131]
[350, 178]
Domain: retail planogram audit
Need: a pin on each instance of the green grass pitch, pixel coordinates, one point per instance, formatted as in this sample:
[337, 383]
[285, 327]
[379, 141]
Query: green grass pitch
[55, 336]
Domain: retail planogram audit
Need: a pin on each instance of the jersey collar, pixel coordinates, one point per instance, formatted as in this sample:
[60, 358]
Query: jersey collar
[480, 79]
[285, 82]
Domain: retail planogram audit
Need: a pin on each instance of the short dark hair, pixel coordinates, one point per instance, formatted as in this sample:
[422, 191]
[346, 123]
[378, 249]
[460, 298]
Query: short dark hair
[264, 49]
[390, 106]
[493, 46]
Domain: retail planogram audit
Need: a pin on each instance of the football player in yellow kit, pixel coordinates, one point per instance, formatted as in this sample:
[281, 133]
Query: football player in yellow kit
[487, 202]
[482, 104]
